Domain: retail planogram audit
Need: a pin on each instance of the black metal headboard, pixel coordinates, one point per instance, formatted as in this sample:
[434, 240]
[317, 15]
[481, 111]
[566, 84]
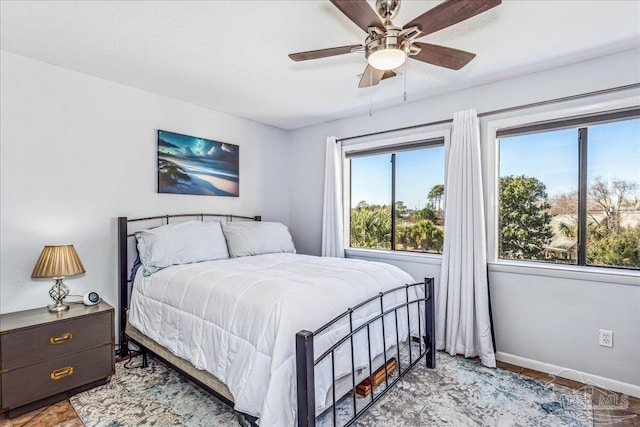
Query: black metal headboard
[126, 233]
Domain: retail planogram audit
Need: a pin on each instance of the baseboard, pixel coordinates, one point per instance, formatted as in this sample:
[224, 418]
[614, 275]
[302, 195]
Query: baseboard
[572, 374]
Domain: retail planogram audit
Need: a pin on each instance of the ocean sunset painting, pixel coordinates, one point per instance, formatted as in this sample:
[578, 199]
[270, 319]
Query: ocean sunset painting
[192, 165]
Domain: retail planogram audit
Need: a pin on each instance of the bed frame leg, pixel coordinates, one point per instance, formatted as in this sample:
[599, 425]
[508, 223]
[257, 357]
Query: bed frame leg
[124, 345]
[123, 295]
[305, 379]
[430, 333]
[144, 357]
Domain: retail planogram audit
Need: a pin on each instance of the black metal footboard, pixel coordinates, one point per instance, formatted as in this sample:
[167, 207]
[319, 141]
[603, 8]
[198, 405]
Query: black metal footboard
[306, 363]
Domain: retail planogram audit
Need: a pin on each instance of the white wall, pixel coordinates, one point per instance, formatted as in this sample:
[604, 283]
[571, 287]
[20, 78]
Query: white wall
[539, 319]
[77, 152]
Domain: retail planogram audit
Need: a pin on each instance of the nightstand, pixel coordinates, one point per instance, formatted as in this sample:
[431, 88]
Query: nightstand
[47, 357]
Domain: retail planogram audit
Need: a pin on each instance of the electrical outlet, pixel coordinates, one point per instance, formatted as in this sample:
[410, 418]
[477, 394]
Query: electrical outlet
[606, 338]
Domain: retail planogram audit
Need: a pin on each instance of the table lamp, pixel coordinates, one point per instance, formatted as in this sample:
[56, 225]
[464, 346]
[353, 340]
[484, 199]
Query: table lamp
[58, 262]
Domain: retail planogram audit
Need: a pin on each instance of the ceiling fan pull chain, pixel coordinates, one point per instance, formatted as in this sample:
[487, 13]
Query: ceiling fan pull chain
[370, 93]
[405, 81]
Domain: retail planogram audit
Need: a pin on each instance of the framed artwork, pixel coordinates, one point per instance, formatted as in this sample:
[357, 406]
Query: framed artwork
[192, 165]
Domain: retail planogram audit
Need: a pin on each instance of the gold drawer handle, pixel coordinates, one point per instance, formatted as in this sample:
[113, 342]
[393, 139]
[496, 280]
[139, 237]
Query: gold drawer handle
[61, 373]
[59, 339]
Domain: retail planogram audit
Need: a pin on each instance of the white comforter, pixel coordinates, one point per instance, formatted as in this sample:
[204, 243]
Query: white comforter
[237, 319]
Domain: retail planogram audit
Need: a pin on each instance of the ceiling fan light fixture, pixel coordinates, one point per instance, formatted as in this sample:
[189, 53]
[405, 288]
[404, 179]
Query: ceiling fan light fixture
[386, 52]
[387, 59]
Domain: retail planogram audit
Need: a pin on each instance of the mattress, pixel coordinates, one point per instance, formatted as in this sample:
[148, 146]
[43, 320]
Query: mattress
[237, 320]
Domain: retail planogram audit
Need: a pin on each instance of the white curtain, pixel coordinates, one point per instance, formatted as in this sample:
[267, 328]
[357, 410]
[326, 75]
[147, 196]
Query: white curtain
[332, 226]
[463, 324]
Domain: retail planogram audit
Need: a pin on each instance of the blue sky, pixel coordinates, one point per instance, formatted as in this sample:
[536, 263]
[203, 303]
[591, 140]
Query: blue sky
[552, 157]
[416, 173]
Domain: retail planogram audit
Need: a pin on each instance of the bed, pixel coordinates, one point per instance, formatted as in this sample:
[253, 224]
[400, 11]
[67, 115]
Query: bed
[279, 336]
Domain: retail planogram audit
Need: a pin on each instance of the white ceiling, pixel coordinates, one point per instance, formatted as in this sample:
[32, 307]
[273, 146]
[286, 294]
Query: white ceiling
[231, 56]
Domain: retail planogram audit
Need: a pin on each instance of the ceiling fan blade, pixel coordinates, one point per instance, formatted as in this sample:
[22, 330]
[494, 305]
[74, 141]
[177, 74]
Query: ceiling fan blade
[449, 13]
[388, 74]
[323, 53]
[373, 76]
[370, 77]
[359, 12]
[442, 56]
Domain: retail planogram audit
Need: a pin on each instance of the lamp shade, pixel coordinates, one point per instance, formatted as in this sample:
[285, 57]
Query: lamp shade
[57, 262]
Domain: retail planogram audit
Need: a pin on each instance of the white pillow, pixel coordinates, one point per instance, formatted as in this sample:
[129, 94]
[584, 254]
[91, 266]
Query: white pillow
[182, 243]
[257, 237]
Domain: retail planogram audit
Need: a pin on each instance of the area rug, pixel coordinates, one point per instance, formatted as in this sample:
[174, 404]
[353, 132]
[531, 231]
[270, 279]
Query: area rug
[459, 392]
[152, 396]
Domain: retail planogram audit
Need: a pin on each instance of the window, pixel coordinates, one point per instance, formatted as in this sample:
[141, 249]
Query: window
[396, 197]
[569, 191]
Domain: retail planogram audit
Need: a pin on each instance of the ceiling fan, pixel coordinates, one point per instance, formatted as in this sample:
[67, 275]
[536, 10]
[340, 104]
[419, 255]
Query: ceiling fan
[387, 46]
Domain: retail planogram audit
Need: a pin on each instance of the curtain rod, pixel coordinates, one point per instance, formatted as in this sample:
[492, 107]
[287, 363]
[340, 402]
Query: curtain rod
[503, 110]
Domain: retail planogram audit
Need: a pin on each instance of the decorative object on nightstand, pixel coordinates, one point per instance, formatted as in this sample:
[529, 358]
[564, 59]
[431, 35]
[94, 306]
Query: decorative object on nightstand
[91, 298]
[58, 262]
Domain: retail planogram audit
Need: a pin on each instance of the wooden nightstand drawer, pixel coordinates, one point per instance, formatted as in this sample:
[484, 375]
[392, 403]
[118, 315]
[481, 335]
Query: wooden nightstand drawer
[53, 376]
[27, 346]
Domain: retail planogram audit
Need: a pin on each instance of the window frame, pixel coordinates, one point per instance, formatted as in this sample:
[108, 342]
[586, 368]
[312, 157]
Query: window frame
[546, 121]
[383, 144]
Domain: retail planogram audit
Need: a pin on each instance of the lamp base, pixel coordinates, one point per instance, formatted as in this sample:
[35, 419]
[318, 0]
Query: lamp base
[58, 292]
[57, 307]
